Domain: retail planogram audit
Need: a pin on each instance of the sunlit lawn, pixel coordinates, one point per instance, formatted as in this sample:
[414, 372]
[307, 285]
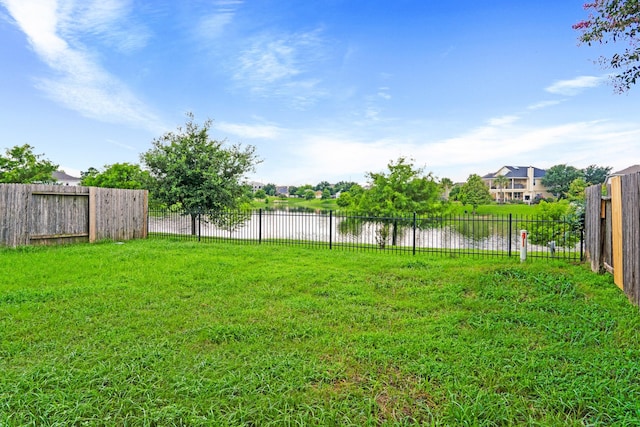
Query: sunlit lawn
[180, 333]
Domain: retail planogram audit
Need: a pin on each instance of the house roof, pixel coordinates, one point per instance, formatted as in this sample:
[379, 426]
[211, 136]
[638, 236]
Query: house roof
[517, 172]
[627, 171]
[63, 176]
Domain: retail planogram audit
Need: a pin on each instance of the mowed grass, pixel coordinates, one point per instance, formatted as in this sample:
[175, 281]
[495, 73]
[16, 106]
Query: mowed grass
[180, 333]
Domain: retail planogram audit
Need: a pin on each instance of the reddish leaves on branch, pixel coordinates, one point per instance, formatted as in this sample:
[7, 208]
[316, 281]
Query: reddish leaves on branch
[615, 20]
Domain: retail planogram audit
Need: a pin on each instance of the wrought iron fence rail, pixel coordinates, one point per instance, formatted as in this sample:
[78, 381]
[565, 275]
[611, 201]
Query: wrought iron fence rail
[464, 235]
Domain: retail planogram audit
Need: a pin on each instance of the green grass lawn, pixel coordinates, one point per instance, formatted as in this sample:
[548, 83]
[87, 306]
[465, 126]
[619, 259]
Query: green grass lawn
[519, 209]
[292, 202]
[180, 333]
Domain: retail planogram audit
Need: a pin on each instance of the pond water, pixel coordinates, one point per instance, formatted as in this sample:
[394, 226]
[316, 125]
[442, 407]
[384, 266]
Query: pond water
[301, 225]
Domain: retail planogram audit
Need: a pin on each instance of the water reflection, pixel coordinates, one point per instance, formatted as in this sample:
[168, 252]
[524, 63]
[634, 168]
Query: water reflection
[294, 209]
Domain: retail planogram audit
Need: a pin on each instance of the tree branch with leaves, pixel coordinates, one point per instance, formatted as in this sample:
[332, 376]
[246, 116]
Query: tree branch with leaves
[615, 21]
[20, 165]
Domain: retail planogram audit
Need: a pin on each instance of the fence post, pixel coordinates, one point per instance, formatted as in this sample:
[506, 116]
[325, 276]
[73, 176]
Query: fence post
[414, 233]
[260, 225]
[330, 229]
[582, 243]
[523, 245]
[510, 236]
[199, 223]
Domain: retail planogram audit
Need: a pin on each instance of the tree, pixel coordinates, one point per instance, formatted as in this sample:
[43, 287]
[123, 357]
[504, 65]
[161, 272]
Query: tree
[402, 191]
[454, 194]
[308, 194]
[344, 200]
[260, 194]
[198, 172]
[270, 189]
[594, 175]
[301, 191]
[501, 181]
[615, 20]
[326, 194]
[576, 191]
[474, 192]
[20, 165]
[343, 186]
[118, 175]
[557, 223]
[558, 178]
[322, 185]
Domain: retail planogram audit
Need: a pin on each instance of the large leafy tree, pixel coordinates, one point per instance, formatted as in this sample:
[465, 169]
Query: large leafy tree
[616, 21]
[21, 166]
[558, 178]
[118, 175]
[594, 175]
[198, 172]
[401, 191]
[474, 192]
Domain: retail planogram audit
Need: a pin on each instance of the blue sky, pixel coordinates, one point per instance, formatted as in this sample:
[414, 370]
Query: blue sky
[325, 89]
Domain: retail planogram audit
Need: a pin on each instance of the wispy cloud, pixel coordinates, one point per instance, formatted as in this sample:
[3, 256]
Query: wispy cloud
[122, 145]
[213, 24]
[80, 82]
[249, 131]
[503, 121]
[543, 104]
[383, 93]
[575, 86]
[281, 65]
[108, 21]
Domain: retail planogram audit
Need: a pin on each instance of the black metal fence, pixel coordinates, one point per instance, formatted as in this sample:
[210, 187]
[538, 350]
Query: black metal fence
[470, 235]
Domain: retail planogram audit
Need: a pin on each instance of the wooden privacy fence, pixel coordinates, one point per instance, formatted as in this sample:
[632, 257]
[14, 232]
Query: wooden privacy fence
[51, 214]
[612, 232]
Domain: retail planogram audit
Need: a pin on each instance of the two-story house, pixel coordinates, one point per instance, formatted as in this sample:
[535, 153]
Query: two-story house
[521, 183]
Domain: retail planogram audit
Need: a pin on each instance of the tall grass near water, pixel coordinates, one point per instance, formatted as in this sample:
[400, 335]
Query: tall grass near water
[181, 333]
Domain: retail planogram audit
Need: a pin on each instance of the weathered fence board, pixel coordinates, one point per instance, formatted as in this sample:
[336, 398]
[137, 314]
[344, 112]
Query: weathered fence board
[613, 243]
[592, 227]
[630, 187]
[50, 214]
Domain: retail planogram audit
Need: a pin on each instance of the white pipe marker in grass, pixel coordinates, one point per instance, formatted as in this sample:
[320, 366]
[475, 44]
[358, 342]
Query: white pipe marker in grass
[523, 245]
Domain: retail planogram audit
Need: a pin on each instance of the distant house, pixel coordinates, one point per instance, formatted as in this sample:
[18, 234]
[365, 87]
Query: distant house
[62, 178]
[282, 190]
[524, 184]
[255, 185]
[625, 171]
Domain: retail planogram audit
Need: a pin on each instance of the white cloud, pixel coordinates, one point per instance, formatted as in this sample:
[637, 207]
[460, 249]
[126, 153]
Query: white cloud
[249, 131]
[315, 156]
[574, 86]
[213, 24]
[80, 84]
[109, 21]
[543, 104]
[383, 93]
[503, 121]
[281, 66]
